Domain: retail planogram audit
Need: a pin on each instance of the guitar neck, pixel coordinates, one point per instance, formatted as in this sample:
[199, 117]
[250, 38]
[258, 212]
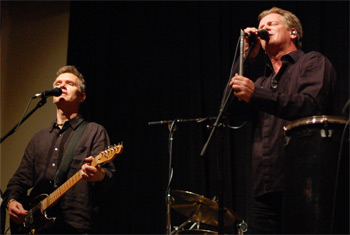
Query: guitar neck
[58, 193]
[104, 156]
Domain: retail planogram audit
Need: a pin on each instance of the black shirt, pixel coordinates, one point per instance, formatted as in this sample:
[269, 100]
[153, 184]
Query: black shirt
[40, 163]
[303, 87]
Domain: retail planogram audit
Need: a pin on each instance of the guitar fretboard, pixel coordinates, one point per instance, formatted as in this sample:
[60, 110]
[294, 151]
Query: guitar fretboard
[104, 156]
[55, 195]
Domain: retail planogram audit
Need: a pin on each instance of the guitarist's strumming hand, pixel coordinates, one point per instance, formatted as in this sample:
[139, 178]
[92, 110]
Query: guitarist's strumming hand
[16, 211]
[92, 173]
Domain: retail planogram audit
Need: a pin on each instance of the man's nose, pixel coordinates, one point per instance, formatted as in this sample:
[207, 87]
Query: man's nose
[267, 28]
[62, 85]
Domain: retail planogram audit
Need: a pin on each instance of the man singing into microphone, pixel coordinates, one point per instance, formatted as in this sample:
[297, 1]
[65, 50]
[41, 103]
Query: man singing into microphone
[294, 85]
[46, 152]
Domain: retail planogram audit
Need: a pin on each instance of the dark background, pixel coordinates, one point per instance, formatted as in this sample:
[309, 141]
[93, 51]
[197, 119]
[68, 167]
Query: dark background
[151, 61]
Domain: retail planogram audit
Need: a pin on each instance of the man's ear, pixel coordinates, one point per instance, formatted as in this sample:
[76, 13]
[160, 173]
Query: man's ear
[82, 97]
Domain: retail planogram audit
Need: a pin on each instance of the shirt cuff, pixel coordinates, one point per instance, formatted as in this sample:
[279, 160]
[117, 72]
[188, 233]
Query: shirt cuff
[259, 95]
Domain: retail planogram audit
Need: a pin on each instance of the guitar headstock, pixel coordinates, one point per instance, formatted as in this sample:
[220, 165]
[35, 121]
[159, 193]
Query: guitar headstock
[109, 153]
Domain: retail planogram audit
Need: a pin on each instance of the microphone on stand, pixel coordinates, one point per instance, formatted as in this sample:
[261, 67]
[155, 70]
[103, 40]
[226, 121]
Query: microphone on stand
[53, 92]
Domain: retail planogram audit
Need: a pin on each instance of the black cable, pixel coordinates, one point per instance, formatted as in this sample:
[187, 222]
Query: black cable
[20, 122]
[226, 97]
[24, 117]
[337, 174]
[229, 79]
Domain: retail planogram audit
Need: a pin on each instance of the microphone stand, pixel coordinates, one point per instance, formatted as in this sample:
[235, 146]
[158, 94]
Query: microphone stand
[172, 129]
[39, 104]
[223, 106]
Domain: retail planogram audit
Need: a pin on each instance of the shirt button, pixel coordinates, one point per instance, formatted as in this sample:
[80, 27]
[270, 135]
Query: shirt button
[53, 164]
[56, 149]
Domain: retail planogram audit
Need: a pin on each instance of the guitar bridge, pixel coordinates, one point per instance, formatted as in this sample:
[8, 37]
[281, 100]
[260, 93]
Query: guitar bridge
[29, 219]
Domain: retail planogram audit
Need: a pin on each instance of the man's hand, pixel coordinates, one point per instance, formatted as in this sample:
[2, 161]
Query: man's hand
[256, 49]
[243, 87]
[16, 211]
[91, 173]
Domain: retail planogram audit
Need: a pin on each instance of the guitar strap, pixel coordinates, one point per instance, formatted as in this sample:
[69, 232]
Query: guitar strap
[69, 154]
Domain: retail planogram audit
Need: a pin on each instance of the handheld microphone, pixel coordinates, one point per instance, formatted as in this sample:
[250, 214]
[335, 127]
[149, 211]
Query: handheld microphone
[53, 92]
[262, 33]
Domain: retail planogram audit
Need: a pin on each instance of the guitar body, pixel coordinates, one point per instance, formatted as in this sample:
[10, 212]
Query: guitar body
[36, 219]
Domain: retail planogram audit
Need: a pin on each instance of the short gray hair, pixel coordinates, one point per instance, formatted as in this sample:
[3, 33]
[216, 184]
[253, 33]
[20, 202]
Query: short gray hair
[73, 70]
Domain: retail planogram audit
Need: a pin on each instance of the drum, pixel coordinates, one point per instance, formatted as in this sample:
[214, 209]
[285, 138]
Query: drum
[317, 176]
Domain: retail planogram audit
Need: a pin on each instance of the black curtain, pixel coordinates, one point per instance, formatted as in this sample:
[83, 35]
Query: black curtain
[151, 61]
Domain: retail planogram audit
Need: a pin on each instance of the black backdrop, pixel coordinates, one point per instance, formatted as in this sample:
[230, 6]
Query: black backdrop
[151, 61]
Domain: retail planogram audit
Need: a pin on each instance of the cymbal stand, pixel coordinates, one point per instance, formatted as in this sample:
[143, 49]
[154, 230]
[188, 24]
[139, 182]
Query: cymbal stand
[172, 129]
[181, 226]
[198, 224]
[185, 223]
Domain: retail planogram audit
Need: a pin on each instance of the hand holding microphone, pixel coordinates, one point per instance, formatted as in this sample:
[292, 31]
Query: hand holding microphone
[262, 33]
[252, 39]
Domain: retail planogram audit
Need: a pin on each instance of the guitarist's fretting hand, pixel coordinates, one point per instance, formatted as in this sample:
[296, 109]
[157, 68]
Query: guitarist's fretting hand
[91, 173]
[17, 212]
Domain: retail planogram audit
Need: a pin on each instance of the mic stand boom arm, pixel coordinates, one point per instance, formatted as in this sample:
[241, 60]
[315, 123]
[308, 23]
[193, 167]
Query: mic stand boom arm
[39, 104]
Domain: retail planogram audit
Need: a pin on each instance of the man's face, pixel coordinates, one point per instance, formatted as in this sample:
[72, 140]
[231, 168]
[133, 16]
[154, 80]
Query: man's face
[280, 36]
[69, 83]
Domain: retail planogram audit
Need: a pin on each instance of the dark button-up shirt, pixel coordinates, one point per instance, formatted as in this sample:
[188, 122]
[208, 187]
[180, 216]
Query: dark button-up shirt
[303, 87]
[41, 160]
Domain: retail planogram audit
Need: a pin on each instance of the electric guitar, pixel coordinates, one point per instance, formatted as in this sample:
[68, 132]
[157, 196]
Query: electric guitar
[37, 218]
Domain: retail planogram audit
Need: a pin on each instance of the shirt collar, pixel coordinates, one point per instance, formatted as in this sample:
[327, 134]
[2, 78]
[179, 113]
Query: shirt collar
[74, 122]
[291, 58]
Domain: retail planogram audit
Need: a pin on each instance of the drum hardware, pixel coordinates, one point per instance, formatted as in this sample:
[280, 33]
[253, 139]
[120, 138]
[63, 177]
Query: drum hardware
[242, 227]
[197, 231]
[314, 120]
[195, 224]
[198, 209]
[326, 133]
[180, 228]
[325, 121]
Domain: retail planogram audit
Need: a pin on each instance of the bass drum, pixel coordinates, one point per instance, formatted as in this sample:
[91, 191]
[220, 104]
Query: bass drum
[196, 231]
[317, 176]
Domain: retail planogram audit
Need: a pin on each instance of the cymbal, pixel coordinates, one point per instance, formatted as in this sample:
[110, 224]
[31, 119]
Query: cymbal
[199, 208]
